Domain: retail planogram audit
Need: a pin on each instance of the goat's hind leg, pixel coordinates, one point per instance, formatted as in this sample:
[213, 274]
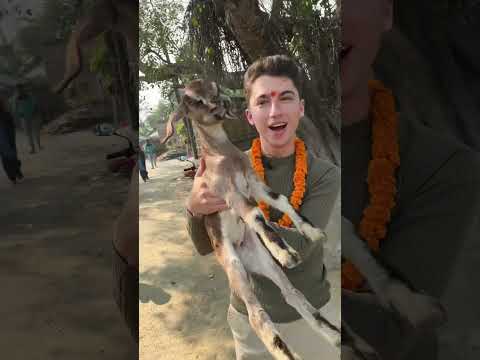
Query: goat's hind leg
[264, 265]
[258, 318]
[262, 192]
[223, 228]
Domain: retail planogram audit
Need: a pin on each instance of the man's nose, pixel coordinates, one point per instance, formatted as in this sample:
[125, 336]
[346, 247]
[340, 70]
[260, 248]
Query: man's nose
[275, 108]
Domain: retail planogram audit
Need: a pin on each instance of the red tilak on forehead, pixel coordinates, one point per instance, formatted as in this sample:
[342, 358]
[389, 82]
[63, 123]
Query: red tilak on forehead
[273, 94]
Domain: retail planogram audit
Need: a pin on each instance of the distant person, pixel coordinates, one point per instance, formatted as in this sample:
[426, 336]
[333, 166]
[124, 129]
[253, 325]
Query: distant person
[151, 153]
[26, 110]
[142, 166]
[8, 146]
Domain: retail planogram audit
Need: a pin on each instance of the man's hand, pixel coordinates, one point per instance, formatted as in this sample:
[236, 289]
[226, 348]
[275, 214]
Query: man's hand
[201, 200]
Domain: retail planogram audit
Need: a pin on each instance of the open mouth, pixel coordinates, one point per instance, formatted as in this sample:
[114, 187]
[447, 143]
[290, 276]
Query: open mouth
[346, 49]
[278, 127]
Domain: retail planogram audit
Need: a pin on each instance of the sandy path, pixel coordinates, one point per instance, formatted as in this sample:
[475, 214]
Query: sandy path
[183, 296]
[55, 253]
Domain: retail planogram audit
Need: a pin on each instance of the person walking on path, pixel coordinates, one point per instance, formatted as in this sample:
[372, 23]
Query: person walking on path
[142, 166]
[8, 147]
[26, 110]
[151, 153]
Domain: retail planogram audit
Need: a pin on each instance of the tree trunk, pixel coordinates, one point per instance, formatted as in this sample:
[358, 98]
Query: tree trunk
[129, 90]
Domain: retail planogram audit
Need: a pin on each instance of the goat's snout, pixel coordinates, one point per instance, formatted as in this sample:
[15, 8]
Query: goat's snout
[212, 108]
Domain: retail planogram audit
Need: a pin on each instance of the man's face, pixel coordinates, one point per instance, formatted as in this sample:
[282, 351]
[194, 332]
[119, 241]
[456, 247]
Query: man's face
[363, 24]
[275, 109]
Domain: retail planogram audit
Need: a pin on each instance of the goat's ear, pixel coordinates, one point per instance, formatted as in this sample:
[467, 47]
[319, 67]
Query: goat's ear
[188, 100]
[228, 105]
[170, 129]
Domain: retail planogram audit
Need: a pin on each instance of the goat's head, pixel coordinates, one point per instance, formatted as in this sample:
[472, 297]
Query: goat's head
[203, 103]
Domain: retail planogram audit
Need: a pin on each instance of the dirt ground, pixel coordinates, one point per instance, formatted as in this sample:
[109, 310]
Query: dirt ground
[55, 253]
[183, 296]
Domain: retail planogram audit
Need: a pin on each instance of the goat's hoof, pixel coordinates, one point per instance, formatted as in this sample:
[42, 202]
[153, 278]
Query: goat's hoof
[289, 259]
[418, 310]
[281, 350]
[312, 233]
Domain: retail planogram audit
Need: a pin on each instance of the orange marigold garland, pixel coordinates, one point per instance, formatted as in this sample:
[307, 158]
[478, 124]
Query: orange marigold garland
[299, 177]
[381, 178]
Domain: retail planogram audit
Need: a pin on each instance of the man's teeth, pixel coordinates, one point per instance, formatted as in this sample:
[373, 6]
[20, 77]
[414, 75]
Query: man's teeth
[276, 126]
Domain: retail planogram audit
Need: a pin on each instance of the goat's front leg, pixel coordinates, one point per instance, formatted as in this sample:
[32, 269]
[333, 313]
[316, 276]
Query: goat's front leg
[254, 218]
[261, 191]
[418, 310]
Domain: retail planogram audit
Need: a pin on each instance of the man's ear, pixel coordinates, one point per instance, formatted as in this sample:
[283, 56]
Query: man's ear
[387, 14]
[249, 117]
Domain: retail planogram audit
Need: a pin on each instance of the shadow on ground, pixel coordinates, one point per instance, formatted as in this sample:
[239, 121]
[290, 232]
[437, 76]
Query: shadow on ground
[153, 293]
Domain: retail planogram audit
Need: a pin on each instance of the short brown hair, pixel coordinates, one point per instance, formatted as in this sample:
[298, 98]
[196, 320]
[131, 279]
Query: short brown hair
[275, 65]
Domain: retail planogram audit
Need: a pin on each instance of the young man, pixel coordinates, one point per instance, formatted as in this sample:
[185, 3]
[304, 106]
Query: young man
[432, 234]
[273, 88]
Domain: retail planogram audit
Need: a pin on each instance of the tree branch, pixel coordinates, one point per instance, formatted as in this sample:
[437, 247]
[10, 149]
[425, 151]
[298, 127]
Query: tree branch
[168, 72]
[249, 24]
[151, 51]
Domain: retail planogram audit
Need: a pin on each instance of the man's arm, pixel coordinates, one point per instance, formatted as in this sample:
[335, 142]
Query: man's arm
[198, 233]
[200, 203]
